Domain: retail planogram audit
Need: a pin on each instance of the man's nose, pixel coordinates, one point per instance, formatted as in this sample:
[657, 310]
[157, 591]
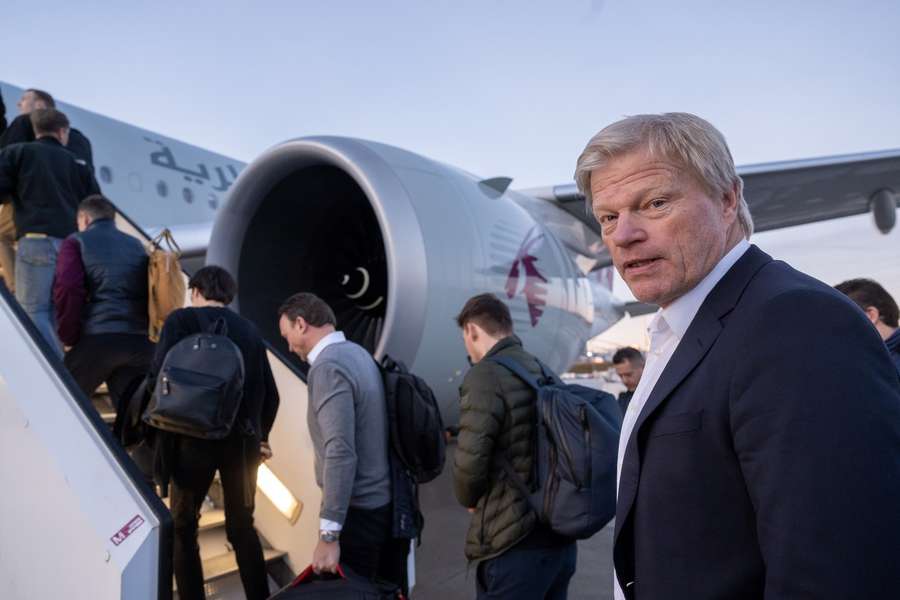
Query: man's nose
[629, 229]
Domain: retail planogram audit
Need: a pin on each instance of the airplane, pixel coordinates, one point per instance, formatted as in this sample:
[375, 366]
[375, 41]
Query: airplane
[395, 242]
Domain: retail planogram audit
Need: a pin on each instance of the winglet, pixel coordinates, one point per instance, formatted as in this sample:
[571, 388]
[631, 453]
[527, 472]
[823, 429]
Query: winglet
[496, 185]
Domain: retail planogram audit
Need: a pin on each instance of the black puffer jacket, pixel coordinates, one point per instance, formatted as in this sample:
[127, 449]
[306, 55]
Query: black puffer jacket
[497, 416]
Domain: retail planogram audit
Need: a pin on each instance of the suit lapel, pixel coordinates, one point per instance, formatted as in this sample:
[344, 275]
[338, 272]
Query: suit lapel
[697, 340]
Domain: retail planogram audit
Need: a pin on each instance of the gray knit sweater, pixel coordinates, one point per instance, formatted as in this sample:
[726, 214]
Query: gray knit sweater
[348, 424]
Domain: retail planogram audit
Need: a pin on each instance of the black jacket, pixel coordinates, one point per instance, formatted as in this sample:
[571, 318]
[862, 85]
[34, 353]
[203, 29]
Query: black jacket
[115, 269]
[624, 400]
[893, 346]
[260, 403]
[47, 184]
[766, 460]
[21, 131]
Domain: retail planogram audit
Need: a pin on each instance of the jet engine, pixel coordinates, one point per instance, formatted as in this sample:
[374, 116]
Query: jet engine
[396, 243]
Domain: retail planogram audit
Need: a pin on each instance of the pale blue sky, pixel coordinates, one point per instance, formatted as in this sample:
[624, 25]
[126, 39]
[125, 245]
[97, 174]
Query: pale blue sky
[497, 87]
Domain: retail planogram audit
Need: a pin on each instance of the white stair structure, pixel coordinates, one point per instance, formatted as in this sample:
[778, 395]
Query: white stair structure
[78, 518]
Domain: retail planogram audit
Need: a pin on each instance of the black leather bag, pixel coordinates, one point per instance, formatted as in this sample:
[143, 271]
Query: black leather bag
[200, 385]
[344, 586]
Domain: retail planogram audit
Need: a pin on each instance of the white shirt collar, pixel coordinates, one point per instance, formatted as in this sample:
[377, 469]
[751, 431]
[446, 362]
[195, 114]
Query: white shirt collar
[334, 337]
[679, 314]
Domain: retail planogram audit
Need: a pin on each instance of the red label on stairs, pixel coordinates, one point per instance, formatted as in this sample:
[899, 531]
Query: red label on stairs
[129, 528]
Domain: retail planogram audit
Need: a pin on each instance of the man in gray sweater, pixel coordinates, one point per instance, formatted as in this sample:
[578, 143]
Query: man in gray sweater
[347, 420]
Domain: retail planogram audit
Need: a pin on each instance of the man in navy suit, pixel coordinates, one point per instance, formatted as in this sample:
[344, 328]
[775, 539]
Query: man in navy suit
[760, 454]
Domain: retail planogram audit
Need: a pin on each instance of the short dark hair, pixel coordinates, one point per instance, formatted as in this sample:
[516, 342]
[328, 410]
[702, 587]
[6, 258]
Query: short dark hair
[310, 307]
[866, 293]
[488, 312]
[44, 96]
[48, 120]
[629, 354]
[214, 283]
[97, 207]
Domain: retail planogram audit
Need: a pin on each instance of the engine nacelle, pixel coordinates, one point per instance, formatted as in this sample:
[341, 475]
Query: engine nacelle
[396, 243]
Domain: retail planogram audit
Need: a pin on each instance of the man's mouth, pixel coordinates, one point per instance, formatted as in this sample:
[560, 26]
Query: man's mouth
[640, 264]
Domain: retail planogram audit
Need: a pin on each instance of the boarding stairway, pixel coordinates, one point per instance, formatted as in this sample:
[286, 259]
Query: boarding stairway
[220, 568]
[83, 511]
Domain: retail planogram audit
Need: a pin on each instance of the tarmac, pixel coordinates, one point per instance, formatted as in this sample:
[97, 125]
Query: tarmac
[442, 572]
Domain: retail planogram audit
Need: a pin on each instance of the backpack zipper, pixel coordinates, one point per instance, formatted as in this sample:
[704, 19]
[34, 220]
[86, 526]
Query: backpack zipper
[567, 453]
[550, 491]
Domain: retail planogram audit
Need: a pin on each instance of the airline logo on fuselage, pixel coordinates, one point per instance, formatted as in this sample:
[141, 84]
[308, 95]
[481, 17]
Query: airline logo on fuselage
[534, 291]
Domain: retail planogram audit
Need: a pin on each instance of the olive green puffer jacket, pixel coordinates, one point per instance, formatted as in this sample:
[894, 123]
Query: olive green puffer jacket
[497, 416]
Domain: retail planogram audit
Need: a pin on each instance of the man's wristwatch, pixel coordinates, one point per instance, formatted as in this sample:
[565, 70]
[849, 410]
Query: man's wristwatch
[329, 537]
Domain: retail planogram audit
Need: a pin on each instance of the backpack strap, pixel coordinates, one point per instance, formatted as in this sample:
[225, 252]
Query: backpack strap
[535, 382]
[207, 325]
[518, 370]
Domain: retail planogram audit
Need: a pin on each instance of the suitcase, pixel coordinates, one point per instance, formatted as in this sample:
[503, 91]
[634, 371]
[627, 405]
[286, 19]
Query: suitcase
[346, 585]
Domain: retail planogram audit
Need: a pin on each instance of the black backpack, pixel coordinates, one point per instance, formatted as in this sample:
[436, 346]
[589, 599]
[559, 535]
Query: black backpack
[200, 385]
[574, 484]
[416, 427]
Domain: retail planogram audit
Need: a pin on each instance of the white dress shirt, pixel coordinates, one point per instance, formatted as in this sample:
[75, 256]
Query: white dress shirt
[332, 338]
[666, 329]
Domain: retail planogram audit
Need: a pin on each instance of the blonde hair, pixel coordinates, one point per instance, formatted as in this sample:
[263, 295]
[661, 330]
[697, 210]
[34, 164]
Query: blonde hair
[683, 138]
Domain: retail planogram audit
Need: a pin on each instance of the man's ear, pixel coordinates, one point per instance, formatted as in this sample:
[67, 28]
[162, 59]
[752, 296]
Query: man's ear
[874, 314]
[301, 325]
[730, 200]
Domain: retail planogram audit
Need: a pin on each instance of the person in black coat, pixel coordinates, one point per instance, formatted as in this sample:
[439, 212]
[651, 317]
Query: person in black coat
[2, 115]
[20, 129]
[45, 184]
[760, 454]
[629, 365]
[881, 310]
[236, 457]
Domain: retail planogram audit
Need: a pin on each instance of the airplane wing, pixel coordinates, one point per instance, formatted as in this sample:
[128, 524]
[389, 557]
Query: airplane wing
[784, 194]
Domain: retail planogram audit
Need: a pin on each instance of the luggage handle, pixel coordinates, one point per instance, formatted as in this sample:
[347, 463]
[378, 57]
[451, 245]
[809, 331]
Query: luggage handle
[166, 236]
[309, 574]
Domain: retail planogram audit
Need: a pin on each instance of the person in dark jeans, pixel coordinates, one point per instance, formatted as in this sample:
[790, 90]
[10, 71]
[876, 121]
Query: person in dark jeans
[100, 297]
[45, 183]
[518, 556]
[194, 461]
[348, 425]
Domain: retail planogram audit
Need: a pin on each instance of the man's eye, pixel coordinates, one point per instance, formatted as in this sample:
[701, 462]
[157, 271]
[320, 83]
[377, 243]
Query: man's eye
[658, 203]
[606, 219]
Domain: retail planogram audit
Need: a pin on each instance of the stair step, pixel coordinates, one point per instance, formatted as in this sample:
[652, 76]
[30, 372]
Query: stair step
[223, 565]
[209, 519]
[103, 403]
[212, 519]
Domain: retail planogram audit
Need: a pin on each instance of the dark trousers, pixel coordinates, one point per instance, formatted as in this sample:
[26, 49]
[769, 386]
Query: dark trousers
[120, 359]
[194, 464]
[531, 573]
[369, 548]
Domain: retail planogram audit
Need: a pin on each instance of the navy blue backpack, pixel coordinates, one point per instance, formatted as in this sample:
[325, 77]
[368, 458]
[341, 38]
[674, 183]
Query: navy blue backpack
[573, 489]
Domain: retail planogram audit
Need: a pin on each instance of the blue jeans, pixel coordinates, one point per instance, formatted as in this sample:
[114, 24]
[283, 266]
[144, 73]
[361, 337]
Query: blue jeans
[527, 574]
[35, 266]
